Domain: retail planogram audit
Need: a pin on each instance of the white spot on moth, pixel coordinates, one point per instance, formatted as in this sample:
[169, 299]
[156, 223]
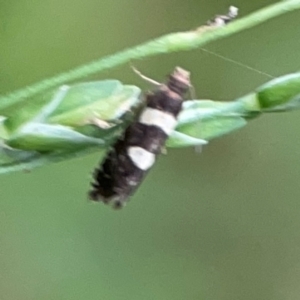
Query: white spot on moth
[165, 121]
[141, 158]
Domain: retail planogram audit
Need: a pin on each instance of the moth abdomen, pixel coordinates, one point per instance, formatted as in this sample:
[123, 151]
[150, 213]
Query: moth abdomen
[132, 156]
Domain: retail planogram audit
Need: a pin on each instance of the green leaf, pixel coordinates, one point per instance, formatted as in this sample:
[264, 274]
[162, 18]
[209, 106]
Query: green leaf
[281, 93]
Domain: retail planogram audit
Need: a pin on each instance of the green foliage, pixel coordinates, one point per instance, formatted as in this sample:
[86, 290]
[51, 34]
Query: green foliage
[50, 121]
[65, 123]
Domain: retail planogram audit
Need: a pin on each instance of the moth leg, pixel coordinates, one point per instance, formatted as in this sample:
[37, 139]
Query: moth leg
[192, 92]
[178, 139]
[101, 123]
[164, 151]
[198, 149]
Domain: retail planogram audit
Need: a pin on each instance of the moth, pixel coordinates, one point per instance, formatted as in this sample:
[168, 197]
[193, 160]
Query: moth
[135, 152]
[82, 117]
[132, 156]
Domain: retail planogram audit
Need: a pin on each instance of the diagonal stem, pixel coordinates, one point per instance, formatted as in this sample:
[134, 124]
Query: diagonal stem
[173, 42]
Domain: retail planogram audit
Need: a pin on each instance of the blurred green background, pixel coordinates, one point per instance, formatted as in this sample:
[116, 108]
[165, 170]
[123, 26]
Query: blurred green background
[221, 225]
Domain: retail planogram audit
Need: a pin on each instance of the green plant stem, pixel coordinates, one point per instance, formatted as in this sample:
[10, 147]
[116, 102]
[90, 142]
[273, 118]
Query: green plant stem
[42, 160]
[182, 41]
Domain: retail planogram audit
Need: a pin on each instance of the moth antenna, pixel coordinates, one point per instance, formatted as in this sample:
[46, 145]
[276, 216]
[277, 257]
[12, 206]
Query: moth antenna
[238, 63]
[140, 74]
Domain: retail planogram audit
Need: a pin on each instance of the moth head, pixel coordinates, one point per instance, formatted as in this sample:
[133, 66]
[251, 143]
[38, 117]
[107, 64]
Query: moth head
[179, 81]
